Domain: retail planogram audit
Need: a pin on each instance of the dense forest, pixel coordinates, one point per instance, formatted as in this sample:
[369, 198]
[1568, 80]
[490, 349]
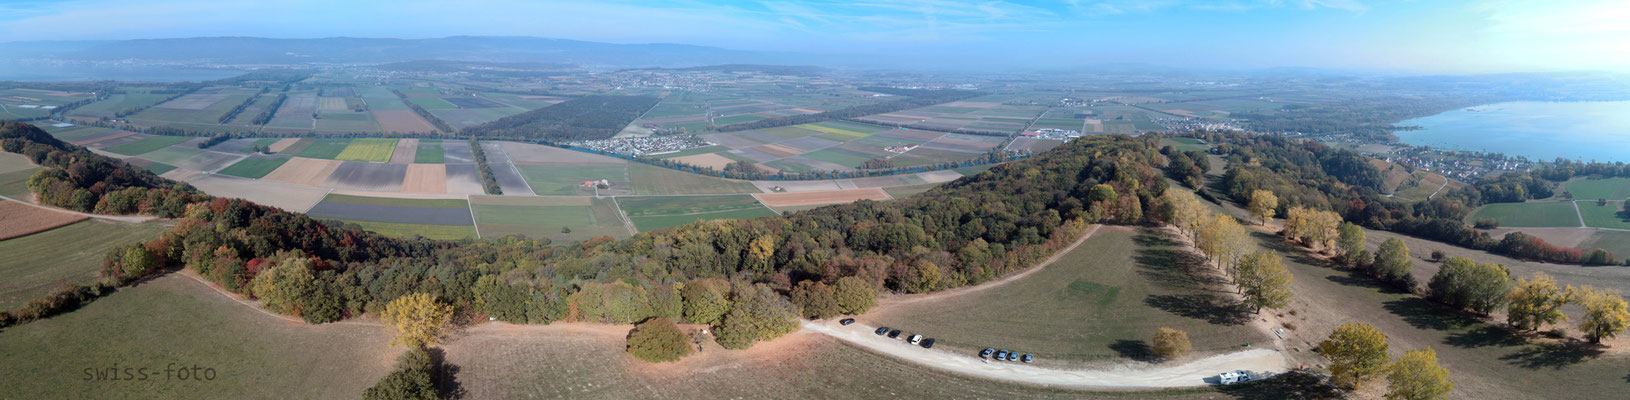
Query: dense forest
[913, 98]
[965, 232]
[77, 179]
[583, 118]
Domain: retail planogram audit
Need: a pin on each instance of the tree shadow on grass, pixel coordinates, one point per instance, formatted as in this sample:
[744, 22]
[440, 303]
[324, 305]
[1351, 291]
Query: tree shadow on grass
[1486, 336]
[1161, 261]
[1554, 355]
[1214, 309]
[1137, 350]
[1289, 385]
[1423, 314]
[1290, 251]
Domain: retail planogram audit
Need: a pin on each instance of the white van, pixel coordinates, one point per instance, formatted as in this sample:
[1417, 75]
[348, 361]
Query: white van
[1229, 378]
[915, 339]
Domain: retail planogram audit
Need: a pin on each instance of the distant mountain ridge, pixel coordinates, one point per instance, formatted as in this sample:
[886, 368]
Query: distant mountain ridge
[343, 50]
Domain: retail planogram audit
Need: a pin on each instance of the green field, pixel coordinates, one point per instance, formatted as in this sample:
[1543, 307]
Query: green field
[14, 184]
[176, 320]
[73, 132]
[498, 216]
[1617, 242]
[324, 148]
[258, 142]
[36, 264]
[974, 170]
[736, 119]
[1592, 189]
[395, 202]
[370, 150]
[657, 180]
[652, 213]
[255, 167]
[1609, 216]
[1185, 144]
[1102, 300]
[445, 232]
[158, 167]
[432, 103]
[564, 180]
[430, 151]
[908, 191]
[119, 102]
[1533, 214]
[147, 145]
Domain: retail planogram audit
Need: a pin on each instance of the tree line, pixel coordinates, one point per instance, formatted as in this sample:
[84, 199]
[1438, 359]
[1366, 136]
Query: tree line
[489, 183]
[423, 113]
[233, 113]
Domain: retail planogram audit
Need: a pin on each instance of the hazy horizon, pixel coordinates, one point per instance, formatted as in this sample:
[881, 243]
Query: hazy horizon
[1392, 36]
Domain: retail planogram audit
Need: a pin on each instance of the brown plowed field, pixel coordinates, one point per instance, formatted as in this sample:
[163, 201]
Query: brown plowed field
[304, 171]
[425, 178]
[18, 219]
[537, 154]
[283, 144]
[709, 160]
[401, 121]
[405, 150]
[820, 198]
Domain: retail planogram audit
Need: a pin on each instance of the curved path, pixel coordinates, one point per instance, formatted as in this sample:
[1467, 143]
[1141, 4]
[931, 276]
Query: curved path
[1131, 376]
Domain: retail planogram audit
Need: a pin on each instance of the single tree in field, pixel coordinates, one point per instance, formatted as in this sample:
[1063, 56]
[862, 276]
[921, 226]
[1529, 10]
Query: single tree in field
[1170, 343]
[1536, 302]
[1357, 354]
[417, 320]
[658, 340]
[1350, 240]
[1264, 281]
[1263, 204]
[1480, 287]
[1605, 313]
[1417, 376]
[854, 295]
[1392, 263]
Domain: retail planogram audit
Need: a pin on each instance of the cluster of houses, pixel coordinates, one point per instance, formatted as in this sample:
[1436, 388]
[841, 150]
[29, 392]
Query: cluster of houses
[1462, 166]
[1197, 124]
[647, 145]
[900, 149]
[1052, 133]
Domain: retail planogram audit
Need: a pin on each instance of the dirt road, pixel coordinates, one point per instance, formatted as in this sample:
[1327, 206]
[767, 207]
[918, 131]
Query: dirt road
[1193, 373]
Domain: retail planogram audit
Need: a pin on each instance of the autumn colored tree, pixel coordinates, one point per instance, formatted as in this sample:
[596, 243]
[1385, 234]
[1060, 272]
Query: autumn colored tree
[1170, 343]
[1350, 242]
[417, 320]
[704, 301]
[658, 340]
[285, 288]
[1605, 313]
[1536, 302]
[816, 299]
[1263, 203]
[1357, 353]
[925, 277]
[1264, 280]
[1417, 376]
[854, 295]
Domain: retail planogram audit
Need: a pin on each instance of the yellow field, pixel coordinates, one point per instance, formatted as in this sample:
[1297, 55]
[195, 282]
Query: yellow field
[371, 150]
[844, 132]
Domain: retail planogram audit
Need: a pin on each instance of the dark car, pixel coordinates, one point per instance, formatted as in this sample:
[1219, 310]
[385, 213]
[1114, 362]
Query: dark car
[987, 352]
[846, 321]
[882, 330]
[1028, 358]
[1001, 355]
[894, 333]
[928, 343]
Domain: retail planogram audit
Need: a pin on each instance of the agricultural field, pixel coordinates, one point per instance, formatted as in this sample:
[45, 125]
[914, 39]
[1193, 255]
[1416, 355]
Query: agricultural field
[251, 353]
[1592, 189]
[20, 103]
[807, 200]
[1100, 301]
[1611, 215]
[38, 263]
[429, 151]
[190, 157]
[327, 149]
[1617, 242]
[200, 110]
[1530, 214]
[548, 217]
[18, 219]
[118, 102]
[255, 166]
[651, 180]
[370, 150]
[838, 145]
[979, 114]
[567, 180]
[652, 213]
[148, 144]
[431, 218]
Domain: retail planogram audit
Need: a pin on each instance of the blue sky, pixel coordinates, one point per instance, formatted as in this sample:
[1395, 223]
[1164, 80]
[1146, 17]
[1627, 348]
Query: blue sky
[1395, 35]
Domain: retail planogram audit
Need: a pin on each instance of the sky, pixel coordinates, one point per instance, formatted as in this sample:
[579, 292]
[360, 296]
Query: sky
[1479, 36]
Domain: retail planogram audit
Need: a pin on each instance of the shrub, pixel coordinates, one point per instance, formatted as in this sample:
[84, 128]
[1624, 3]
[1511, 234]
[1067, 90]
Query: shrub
[411, 380]
[658, 340]
[1170, 343]
[1486, 223]
[1462, 283]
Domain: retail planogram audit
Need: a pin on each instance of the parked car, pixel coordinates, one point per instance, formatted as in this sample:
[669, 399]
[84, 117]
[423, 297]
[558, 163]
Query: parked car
[928, 343]
[1028, 358]
[1013, 356]
[987, 352]
[1001, 355]
[916, 339]
[882, 330]
[846, 321]
[894, 333]
[1229, 378]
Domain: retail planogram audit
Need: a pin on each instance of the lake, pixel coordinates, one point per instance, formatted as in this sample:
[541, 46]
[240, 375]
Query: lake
[1598, 130]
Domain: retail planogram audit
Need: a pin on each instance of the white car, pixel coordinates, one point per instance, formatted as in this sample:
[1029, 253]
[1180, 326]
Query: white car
[915, 339]
[1233, 377]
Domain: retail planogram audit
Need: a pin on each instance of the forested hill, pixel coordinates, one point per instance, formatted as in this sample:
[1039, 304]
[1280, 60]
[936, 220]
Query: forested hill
[965, 232]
